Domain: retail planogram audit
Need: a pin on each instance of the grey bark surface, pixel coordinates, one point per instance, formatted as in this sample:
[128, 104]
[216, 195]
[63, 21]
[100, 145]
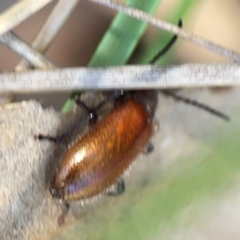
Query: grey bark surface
[28, 211]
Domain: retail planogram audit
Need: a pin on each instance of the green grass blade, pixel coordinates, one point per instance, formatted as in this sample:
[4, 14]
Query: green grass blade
[122, 36]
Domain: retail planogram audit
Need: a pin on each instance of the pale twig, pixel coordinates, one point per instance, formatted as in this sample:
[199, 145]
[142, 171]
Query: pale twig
[19, 12]
[12, 41]
[138, 14]
[14, 16]
[126, 77]
[55, 21]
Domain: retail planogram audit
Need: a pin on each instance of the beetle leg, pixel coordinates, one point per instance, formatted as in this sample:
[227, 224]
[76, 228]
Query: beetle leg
[148, 148]
[82, 104]
[119, 188]
[90, 111]
[112, 97]
[66, 133]
[90, 118]
[46, 137]
[65, 209]
[167, 47]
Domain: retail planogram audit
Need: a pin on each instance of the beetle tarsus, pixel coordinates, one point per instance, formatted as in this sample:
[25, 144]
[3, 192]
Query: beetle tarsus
[46, 137]
[65, 209]
[119, 188]
[148, 148]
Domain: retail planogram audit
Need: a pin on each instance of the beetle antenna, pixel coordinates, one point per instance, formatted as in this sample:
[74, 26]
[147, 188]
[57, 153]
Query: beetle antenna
[196, 104]
[167, 47]
[181, 98]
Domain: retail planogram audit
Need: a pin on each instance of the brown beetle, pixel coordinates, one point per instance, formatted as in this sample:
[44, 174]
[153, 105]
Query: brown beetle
[99, 158]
